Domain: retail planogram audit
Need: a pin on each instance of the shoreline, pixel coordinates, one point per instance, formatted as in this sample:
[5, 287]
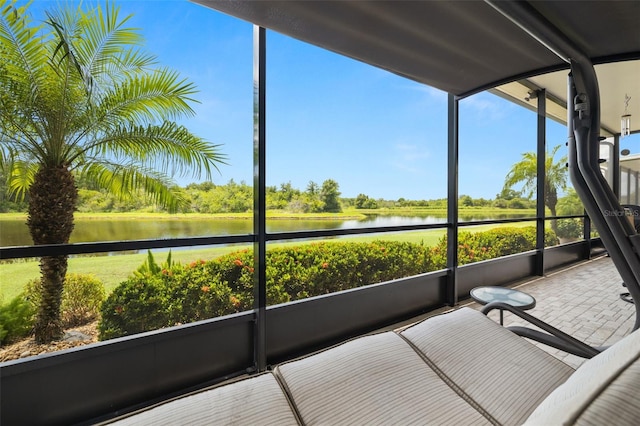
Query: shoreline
[281, 215]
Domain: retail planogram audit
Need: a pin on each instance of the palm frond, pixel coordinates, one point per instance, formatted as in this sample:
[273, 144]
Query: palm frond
[23, 72]
[21, 176]
[170, 148]
[155, 96]
[108, 50]
[21, 46]
[126, 180]
[526, 171]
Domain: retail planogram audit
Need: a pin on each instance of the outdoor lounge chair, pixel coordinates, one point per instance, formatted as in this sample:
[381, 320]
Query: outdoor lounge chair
[456, 368]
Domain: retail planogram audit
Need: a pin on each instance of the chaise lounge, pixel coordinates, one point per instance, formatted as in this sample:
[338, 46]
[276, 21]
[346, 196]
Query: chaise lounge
[456, 368]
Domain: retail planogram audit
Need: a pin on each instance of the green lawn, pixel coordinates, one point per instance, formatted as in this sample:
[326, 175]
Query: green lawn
[112, 270]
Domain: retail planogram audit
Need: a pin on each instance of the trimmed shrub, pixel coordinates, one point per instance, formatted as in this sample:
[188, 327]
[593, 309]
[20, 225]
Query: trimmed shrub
[82, 296]
[136, 305]
[498, 242]
[570, 228]
[202, 290]
[177, 295]
[81, 299]
[327, 267]
[16, 319]
[236, 271]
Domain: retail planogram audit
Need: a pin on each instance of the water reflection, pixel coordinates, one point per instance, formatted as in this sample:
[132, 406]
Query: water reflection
[14, 232]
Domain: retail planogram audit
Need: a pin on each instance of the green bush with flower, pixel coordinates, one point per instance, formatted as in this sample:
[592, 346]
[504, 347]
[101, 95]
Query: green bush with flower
[157, 296]
[485, 245]
[154, 297]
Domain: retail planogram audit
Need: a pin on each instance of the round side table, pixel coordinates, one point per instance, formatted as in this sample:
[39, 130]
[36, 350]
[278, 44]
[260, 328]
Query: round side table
[517, 298]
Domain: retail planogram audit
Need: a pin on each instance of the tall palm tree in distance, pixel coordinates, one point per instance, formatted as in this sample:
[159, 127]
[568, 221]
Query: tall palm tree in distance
[555, 180]
[79, 97]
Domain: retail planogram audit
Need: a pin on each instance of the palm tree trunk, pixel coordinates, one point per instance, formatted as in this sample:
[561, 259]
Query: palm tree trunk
[554, 222]
[551, 200]
[53, 196]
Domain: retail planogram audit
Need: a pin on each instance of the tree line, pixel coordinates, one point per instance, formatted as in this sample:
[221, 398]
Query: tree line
[234, 197]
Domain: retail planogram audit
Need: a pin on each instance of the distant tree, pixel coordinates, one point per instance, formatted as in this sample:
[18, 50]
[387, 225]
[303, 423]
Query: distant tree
[312, 188]
[509, 194]
[465, 201]
[330, 196]
[517, 203]
[288, 192]
[203, 186]
[364, 202]
[361, 200]
[306, 203]
[500, 203]
[481, 202]
[555, 180]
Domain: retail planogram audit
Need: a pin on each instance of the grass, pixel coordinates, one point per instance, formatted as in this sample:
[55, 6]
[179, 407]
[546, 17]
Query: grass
[114, 269]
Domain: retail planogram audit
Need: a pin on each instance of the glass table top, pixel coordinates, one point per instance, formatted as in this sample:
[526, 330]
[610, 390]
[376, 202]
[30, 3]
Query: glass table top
[513, 297]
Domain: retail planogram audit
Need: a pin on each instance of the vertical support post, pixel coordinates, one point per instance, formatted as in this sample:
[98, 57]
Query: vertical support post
[541, 152]
[615, 164]
[635, 188]
[259, 199]
[629, 173]
[452, 200]
[586, 231]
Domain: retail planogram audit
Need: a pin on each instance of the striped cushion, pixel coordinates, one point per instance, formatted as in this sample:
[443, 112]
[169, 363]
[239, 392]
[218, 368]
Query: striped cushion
[501, 372]
[255, 401]
[372, 380]
[604, 390]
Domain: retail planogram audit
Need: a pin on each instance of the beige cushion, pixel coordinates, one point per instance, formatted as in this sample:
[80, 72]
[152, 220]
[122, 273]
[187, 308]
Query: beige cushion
[604, 390]
[373, 380]
[503, 373]
[255, 401]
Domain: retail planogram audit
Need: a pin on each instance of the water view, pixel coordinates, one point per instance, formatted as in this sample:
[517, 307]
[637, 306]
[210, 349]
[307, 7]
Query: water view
[14, 232]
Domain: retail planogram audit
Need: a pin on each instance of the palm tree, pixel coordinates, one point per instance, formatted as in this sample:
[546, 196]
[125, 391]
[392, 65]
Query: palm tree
[80, 98]
[526, 170]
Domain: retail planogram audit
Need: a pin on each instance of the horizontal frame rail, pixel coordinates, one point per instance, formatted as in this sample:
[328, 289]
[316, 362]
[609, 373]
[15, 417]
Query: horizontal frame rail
[18, 252]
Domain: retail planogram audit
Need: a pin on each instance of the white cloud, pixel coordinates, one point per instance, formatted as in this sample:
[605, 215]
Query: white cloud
[486, 106]
[409, 158]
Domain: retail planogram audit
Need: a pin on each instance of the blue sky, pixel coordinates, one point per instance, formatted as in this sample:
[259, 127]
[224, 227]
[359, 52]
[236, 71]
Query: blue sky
[328, 117]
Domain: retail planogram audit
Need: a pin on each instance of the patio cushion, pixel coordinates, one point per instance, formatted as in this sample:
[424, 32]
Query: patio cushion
[376, 379]
[255, 401]
[603, 390]
[501, 372]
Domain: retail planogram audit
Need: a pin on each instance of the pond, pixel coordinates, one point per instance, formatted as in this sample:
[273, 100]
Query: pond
[14, 232]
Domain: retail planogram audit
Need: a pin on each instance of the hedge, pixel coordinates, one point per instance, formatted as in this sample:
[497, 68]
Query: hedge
[178, 294]
[498, 242]
[206, 289]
